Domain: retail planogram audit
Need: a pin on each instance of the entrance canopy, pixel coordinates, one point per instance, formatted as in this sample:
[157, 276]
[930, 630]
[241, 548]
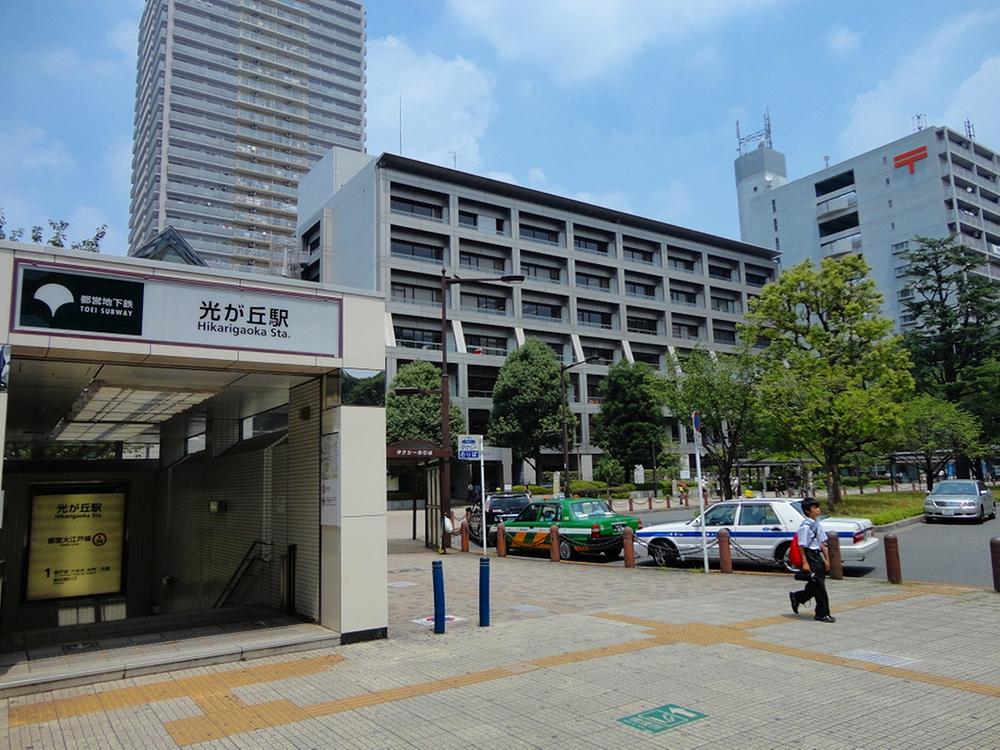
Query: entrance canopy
[180, 438]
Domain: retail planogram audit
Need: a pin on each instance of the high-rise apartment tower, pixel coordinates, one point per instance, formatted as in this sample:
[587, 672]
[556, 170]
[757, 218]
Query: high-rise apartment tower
[235, 100]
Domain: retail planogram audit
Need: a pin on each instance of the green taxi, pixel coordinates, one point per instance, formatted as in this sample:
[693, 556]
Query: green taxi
[586, 525]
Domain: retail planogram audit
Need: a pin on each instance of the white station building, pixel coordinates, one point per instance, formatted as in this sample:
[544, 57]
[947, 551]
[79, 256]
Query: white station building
[180, 439]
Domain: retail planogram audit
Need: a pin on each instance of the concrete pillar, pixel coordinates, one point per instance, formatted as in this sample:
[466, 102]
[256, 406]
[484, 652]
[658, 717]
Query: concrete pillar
[353, 563]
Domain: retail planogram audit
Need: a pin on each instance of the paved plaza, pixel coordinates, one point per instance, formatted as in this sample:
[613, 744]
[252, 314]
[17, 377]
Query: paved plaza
[579, 655]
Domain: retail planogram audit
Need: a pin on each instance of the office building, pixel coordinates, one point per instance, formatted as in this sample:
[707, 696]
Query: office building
[235, 100]
[599, 283]
[934, 182]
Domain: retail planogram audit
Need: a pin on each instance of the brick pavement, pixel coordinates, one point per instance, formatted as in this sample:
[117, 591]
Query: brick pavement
[573, 649]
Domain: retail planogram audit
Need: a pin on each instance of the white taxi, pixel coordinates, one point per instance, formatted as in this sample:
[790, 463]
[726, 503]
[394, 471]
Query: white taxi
[760, 530]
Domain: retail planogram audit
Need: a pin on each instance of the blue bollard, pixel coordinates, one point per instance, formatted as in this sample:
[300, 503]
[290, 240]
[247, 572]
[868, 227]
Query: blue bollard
[484, 592]
[438, 574]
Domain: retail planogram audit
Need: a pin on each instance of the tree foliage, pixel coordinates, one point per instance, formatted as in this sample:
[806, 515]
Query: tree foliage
[980, 386]
[418, 417]
[91, 244]
[835, 376]
[631, 424]
[935, 431]
[609, 470]
[956, 314]
[527, 402]
[724, 390]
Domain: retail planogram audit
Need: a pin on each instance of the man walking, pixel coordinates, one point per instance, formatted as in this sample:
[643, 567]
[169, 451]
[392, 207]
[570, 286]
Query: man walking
[815, 562]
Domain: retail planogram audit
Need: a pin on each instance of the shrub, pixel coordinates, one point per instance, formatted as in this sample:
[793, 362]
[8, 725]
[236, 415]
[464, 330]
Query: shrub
[609, 470]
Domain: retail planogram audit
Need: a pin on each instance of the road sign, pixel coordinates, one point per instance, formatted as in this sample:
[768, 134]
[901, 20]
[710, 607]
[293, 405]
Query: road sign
[657, 720]
[470, 447]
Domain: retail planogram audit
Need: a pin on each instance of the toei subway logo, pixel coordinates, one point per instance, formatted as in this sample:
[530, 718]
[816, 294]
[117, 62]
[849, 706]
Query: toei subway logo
[909, 158]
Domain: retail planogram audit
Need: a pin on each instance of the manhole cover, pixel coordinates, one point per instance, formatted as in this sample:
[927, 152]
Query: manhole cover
[76, 648]
[428, 622]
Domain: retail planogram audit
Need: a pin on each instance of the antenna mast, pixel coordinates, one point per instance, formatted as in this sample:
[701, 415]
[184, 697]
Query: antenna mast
[747, 143]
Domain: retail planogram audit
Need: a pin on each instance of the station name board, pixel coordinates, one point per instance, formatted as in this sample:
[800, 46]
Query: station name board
[60, 301]
[76, 544]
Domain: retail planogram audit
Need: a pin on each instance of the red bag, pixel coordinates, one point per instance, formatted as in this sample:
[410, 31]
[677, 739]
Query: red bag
[795, 553]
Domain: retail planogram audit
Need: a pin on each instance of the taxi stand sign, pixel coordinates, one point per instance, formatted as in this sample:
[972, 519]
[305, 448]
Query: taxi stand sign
[696, 424]
[470, 448]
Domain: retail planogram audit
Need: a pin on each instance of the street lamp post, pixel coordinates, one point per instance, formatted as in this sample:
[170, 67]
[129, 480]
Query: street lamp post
[446, 282]
[565, 414]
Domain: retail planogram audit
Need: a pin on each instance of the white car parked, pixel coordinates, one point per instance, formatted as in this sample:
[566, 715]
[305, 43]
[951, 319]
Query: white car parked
[760, 529]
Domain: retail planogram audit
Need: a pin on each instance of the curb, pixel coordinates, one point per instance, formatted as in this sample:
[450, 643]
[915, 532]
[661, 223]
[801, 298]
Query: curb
[166, 662]
[900, 524]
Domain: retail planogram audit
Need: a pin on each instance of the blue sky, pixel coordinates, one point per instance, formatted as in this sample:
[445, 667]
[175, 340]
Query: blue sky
[626, 103]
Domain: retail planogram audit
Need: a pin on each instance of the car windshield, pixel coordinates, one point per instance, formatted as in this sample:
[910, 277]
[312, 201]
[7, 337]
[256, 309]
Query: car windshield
[955, 488]
[585, 509]
[509, 502]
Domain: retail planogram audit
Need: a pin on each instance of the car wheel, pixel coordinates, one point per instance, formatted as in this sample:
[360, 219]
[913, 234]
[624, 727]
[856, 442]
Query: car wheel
[613, 553]
[663, 552]
[993, 513]
[982, 515]
[928, 519]
[565, 550]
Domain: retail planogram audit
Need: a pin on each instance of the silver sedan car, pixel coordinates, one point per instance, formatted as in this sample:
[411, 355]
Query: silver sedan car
[960, 498]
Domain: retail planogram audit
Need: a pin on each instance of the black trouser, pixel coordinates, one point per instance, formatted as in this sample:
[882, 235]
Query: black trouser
[816, 587]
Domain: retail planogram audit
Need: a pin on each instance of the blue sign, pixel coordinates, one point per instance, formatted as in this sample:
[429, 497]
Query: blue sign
[470, 447]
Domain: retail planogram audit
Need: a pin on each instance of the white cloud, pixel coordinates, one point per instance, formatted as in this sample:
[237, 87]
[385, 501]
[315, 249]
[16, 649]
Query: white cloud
[123, 38]
[537, 177]
[614, 199]
[978, 99]
[673, 204]
[503, 177]
[118, 163]
[885, 113]
[447, 105]
[578, 40]
[841, 40]
[27, 147]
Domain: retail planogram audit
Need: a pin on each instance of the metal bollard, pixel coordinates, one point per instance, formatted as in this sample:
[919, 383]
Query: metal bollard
[465, 535]
[836, 562]
[667, 498]
[650, 502]
[631, 505]
[484, 592]
[554, 543]
[893, 572]
[995, 560]
[628, 539]
[501, 540]
[725, 553]
[437, 571]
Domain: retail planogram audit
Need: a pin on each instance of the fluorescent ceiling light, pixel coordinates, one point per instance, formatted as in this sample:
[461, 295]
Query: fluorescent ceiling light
[105, 412]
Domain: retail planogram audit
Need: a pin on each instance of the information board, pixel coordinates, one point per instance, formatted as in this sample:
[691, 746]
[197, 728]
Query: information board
[76, 544]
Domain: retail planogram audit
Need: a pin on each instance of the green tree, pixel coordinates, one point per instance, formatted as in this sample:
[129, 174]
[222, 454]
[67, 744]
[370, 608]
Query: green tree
[977, 381]
[609, 470]
[91, 244]
[631, 423]
[936, 431]
[835, 376]
[527, 402]
[418, 416]
[724, 390]
[956, 315]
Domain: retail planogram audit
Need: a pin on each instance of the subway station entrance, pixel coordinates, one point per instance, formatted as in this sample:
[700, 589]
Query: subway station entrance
[179, 440]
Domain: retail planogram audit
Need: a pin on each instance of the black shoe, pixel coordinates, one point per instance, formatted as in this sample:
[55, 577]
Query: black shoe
[794, 601]
[828, 618]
